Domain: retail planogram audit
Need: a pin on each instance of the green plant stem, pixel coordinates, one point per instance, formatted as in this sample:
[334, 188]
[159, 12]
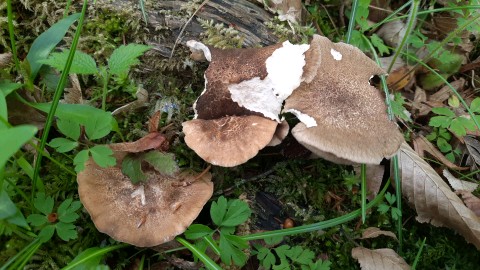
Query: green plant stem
[57, 96]
[19, 191]
[364, 192]
[417, 257]
[423, 12]
[410, 25]
[351, 22]
[389, 18]
[396, 171]
[209, 263]
[11, 32]
[319, 225]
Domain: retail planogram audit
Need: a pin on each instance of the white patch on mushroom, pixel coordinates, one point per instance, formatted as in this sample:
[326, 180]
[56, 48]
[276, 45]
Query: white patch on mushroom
[304, 118]
[198, 46]
[285, 68]
[336, 54]
[139, 192]
[203, 92]
[256, 95]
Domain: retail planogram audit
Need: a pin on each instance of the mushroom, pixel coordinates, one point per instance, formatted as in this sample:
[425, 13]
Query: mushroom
[230, 140]
[242, 100]
[145, 214]
[343, 118]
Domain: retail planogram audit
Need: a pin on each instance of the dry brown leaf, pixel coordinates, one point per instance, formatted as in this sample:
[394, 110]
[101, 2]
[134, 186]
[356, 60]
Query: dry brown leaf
[373, 232]
[445, 92]
[432, 198]
[379, 259]
[422, 145]
[152, 140]
[142, 100]
[419, 101]
[471, 201]
[73, 95]
[459, 185]
[400, 78]
[392, 32]
[473, 148]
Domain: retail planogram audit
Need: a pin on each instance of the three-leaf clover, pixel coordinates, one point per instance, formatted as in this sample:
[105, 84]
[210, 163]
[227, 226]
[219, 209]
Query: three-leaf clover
[61, 221]
[384, 208]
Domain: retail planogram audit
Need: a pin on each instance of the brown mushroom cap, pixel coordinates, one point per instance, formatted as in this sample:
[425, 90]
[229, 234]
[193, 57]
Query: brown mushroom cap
[146, 214]
[230, 140]
[280, 133]
[230, 66]
[350, 114]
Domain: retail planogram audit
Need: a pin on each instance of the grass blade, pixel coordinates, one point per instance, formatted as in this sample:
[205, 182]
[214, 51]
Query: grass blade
[209, 263]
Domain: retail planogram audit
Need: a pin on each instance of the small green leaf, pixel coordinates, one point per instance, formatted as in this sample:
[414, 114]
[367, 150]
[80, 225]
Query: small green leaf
[80, 159]
[231, 247]
[124, 57]
[82, 62]
[443, 111]
[456, 126]
[66, 210]
[43, 204]
[132, 167]
[383, 208]
[37, 220]
[103, 156]
[378, 43]
[66, 231]
[63, 145]
[273, 240]
[69, 128]
[439, 121]
[46, 233]
[467, 123]
[18, 219]
[237, 213]
[266, 257]
[475, 105]
[196, 231]
[320, 265]
[8, 87]
[218, 210]
[162, 162]
[443, 145]
[98, 126]
[7, 207]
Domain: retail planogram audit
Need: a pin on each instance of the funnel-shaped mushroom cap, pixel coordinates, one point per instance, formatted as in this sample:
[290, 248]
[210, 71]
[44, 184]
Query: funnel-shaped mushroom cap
[340, 112]
[229, 141]
[146, 214]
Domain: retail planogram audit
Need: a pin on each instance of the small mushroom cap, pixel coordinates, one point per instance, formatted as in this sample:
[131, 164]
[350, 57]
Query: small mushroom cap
[350, 115]
[280, 133]
[228, 141]
[146, 214]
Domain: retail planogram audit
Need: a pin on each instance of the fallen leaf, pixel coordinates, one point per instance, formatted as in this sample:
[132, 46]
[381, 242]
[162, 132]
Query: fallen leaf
[422, 145]
[432, 198]
[150, 141]
[392, 32]
[374, 175]
[459, 185]
[473, 148]
[373, 232]
[73, 95]
[379, 259]
[445, 92]
[471, 201]
[419, 102]
[154, 121]
[400, 78]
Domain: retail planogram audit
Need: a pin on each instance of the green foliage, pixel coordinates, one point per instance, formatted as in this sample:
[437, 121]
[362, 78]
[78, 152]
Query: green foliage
[164, 163]
[398, 107]
[45, 43]
[48, 222]
[82, 62]
[442, 138]
[459, 125]
[384, 208]
[124, 57]
[295, 257]
[226, 214]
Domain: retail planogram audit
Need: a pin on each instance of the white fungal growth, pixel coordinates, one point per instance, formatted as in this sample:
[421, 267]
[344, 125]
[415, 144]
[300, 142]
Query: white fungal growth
[304, 118]
[203, 92]
[284, 74]
[336, 54]
[285, 68]
[196, 46]
[139, 192]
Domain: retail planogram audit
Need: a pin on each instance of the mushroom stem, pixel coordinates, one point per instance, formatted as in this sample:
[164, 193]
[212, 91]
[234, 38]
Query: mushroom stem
[139, 192]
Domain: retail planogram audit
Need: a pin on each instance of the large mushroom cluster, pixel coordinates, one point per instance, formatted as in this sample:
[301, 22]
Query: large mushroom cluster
[324, 84]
